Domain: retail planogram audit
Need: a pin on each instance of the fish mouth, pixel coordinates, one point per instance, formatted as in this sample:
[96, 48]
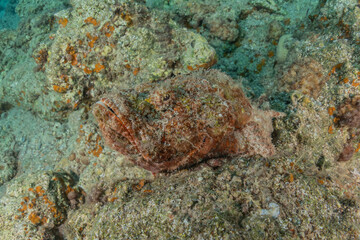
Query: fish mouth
[109, 116]
[101, 103]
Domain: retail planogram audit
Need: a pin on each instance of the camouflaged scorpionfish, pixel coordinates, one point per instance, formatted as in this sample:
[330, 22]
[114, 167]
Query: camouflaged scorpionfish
[184, 120]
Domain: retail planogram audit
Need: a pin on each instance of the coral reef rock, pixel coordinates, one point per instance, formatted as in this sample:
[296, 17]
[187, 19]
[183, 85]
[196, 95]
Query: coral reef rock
[307, 76]
[117, 45]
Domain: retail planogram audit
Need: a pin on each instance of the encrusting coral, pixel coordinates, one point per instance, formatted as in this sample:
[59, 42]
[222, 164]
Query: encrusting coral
[183, 120]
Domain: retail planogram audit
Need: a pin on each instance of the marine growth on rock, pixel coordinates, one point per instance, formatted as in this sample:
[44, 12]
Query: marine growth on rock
[349, 116]
[184, 120]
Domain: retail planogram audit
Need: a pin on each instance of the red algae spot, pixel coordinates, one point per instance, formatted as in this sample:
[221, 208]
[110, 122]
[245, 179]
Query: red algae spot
[291, 178]
[107, 29]
[59, 89]
[334, 68]
[331, 110]
[34, 218]
[92, 21]
[40, 59]
[190, 68]
[260, 65]
[204, 65]
[75, 105]
[271, 54]
[354, 84]
[358, 148]
[93, 39]
[43, 220]
[65, 78]
[96, 152]
[63, 22]
[98, 67]
[98, 149]
[136, 71]
[127, 18]
[87, 70]
[324, 18]
[320, 181]
[74, 61]
[331, 129]
[39, 191]
[140, 185]
[113, 199]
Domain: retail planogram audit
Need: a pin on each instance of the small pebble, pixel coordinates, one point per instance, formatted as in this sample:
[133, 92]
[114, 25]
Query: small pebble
[72, 157]
[73, 203]
[85, 161]
[72, 195]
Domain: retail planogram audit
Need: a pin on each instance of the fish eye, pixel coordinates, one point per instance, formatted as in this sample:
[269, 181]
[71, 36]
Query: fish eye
[166, 97]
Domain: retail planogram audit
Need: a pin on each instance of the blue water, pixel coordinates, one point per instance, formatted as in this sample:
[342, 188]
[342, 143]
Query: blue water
[8, 17]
